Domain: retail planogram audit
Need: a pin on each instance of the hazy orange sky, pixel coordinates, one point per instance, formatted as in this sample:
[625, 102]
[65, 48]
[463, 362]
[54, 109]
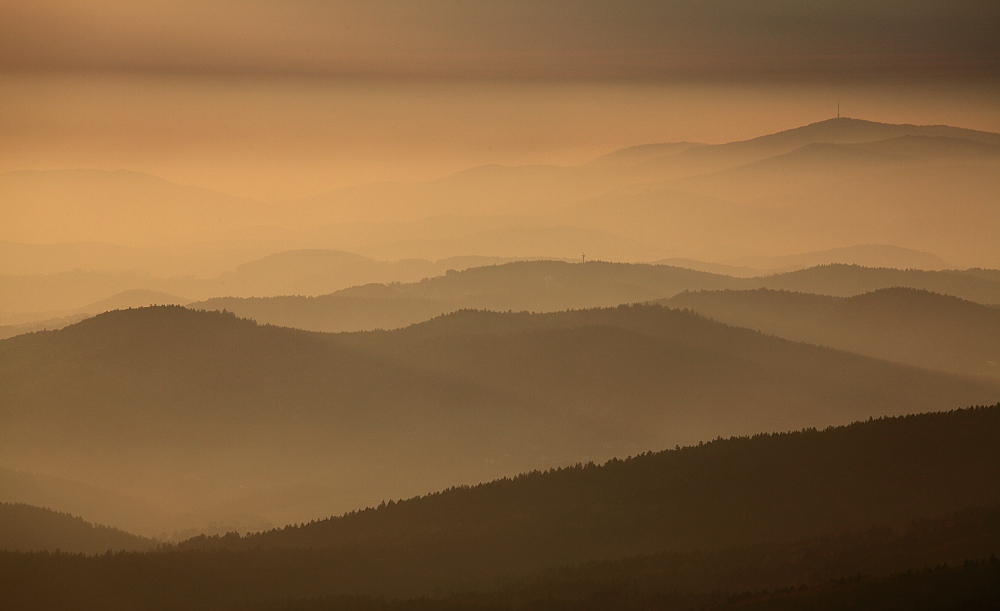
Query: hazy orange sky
[285, 98]
[553, 38]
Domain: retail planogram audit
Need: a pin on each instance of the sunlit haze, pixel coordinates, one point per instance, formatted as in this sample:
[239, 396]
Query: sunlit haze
[485, 305]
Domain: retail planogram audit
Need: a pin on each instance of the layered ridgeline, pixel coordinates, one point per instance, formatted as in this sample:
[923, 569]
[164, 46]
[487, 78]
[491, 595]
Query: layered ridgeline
[836, 182]
[111, 281]
[831, 183]
[899, 324]
[92, 290]
[546, 286]
[681, 528]
[818, 187]
[26, 528]
[215, 417]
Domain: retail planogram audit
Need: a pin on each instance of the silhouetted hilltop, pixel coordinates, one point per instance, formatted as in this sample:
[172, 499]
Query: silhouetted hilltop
[841, 130]
[557, 285]
[523, 285]
[26, 528]
[899, 324]
[211, 409]
[135, 298]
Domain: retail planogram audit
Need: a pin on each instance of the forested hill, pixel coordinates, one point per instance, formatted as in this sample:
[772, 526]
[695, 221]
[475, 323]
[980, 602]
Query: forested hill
[899, 324]
[874, 568]
[765, 488]
[27, 528]
[189, 410]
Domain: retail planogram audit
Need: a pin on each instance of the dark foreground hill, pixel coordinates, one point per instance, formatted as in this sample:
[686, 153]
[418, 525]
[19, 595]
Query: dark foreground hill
[942, 563]
[547, 286]
[674, 529]
[26, 528]
[193, 410]
[899, 324]
[737, 491]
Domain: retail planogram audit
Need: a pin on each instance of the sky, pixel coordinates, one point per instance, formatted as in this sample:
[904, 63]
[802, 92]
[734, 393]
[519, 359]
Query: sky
[280, 99]
[514, 38]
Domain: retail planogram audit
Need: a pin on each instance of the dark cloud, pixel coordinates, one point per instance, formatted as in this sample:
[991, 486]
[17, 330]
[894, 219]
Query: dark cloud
[555, 38]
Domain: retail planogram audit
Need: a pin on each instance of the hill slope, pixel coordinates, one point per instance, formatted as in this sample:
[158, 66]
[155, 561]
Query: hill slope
[762, 489]
[903, 325]
[26, 528]
[711, 520]
[277, 424]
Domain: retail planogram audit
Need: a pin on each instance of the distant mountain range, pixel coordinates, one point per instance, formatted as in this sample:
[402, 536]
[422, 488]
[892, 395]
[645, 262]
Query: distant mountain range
[821, 186]
[43, 298]
[543, 286]
[187, 410]
[33, 299]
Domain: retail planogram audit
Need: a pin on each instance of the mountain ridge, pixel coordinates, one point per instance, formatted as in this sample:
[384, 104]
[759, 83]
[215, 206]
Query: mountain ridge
[473, 395]
[898, 324]
[557, 285]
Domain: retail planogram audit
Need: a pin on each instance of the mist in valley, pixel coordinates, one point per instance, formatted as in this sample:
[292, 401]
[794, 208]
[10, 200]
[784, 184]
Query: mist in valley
[499, 306]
